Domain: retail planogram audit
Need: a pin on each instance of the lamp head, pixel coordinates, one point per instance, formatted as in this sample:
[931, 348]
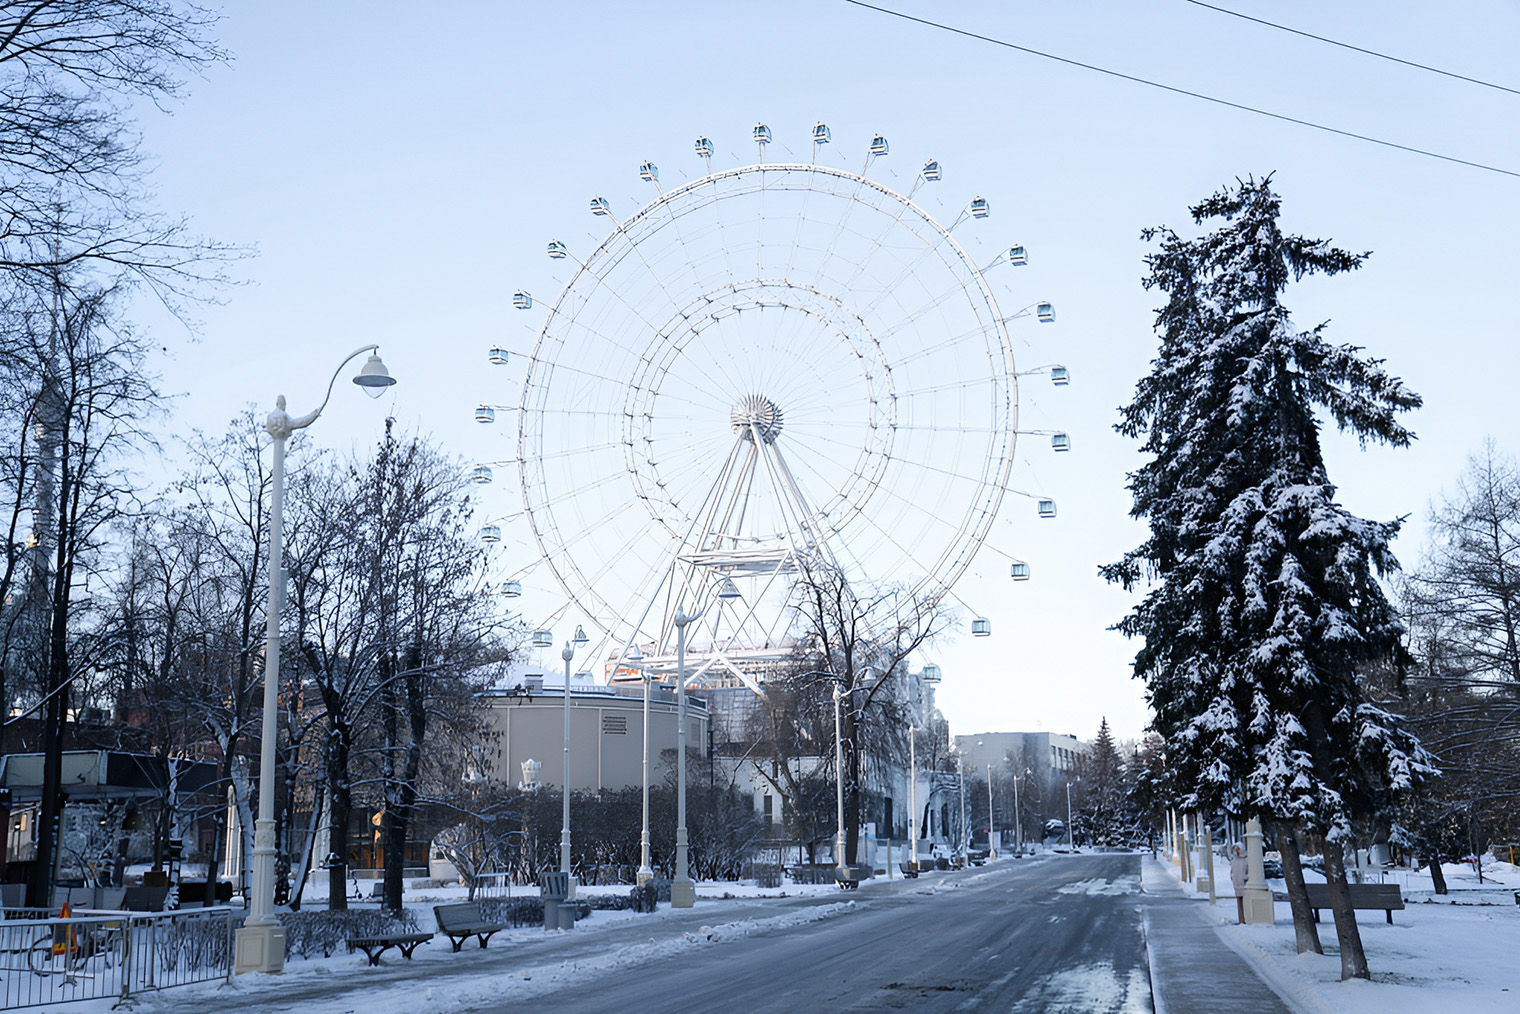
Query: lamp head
[580, 637]
[374, 377]
[726, 590]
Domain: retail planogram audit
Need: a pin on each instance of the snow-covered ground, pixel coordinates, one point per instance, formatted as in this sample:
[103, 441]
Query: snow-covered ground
[1457, 952]
[423, 991]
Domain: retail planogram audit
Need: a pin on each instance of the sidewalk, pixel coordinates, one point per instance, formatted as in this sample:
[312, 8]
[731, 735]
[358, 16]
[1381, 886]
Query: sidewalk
[519, 964]
[1193, 969]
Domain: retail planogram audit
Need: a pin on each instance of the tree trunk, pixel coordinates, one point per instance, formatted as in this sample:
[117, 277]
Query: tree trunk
[1304, 931]
[339, 810]
[1353, 958]
[1437, 875]
[400, 811]
[850, 737]
[392, 831]
[50, 818]
[304, 869]
[219, 824]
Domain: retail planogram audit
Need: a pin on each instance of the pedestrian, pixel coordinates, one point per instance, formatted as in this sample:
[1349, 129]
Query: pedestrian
[1238, 878]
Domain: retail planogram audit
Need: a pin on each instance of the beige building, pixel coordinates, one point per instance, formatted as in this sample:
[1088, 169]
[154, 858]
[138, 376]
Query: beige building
[526, 723]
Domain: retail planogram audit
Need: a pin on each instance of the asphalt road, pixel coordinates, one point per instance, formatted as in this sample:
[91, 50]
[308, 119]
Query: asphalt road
[1060, 935]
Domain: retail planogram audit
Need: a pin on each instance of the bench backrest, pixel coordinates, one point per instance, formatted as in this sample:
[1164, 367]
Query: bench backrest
[457, 916]
[144, 899]
[1362, 895]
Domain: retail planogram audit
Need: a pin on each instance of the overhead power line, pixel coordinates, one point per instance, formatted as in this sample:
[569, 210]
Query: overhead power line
[1359, 49]
[1183, 91]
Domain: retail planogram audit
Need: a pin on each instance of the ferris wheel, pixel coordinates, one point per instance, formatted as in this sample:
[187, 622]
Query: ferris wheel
[764, 370]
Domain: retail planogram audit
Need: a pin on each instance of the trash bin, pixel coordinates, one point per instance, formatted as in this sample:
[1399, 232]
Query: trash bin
[553, 888]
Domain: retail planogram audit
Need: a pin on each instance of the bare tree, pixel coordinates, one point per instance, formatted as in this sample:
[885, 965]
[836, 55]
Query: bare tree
[73, 184]
[393, 625]
[858, 645]
[93, 395]
[1466, 593]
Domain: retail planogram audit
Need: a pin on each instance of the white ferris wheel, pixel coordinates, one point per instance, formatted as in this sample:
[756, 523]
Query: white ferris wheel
[767, 369]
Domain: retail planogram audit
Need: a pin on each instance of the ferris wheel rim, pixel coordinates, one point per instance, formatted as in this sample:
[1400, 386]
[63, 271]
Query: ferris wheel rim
[958, 554]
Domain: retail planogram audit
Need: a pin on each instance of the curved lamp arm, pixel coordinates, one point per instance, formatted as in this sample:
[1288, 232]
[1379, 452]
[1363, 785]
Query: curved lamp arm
[311, 417]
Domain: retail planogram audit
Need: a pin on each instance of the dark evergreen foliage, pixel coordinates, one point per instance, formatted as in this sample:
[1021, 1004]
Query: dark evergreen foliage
[1264, 600]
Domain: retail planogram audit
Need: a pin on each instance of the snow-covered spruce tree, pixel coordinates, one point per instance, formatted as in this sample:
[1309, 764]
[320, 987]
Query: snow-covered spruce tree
[1263, 600]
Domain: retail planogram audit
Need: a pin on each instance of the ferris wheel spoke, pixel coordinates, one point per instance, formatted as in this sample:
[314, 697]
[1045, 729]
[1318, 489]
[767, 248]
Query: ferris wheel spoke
[768, 363]
[560, 499]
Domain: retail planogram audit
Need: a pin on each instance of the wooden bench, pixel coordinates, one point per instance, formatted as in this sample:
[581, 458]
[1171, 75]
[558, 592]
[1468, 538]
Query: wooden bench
[909, 870]
[1363, 896]
[378, 944]
[462, 921]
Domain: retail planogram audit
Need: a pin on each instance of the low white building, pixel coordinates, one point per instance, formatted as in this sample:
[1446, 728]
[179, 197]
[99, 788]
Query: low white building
[526, 722]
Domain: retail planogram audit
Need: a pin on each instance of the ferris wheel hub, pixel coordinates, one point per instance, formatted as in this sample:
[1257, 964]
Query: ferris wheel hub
[757, 413]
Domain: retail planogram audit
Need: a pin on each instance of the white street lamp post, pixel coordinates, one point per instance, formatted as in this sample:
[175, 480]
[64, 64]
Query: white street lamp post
[912, 802]
[1018, 824]
[1018, 817]
[991, 846]
[646, 872]
[683, 891]
[1071, 832]
[838, 780]
[260, 943]
[564, 831]
[960, 767]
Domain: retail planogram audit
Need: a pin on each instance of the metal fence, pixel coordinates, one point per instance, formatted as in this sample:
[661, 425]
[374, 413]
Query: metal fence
[493, 885]
[113, 955]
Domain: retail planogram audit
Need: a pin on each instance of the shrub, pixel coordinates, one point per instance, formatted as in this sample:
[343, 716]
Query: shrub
[313, 930]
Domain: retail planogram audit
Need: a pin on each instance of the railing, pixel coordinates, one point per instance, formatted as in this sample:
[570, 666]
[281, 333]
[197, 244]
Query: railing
[113, 955]
[493, 885]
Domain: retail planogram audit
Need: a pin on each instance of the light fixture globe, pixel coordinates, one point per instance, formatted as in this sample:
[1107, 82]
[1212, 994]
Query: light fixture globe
[374, 377]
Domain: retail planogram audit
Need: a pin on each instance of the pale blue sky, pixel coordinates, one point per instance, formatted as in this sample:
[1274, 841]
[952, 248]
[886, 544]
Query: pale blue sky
[400, 168]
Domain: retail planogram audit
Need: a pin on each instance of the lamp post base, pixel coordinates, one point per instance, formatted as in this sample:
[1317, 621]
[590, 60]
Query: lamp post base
[1257, 906]
[644, 876]
[683, 893]
[259, 948]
